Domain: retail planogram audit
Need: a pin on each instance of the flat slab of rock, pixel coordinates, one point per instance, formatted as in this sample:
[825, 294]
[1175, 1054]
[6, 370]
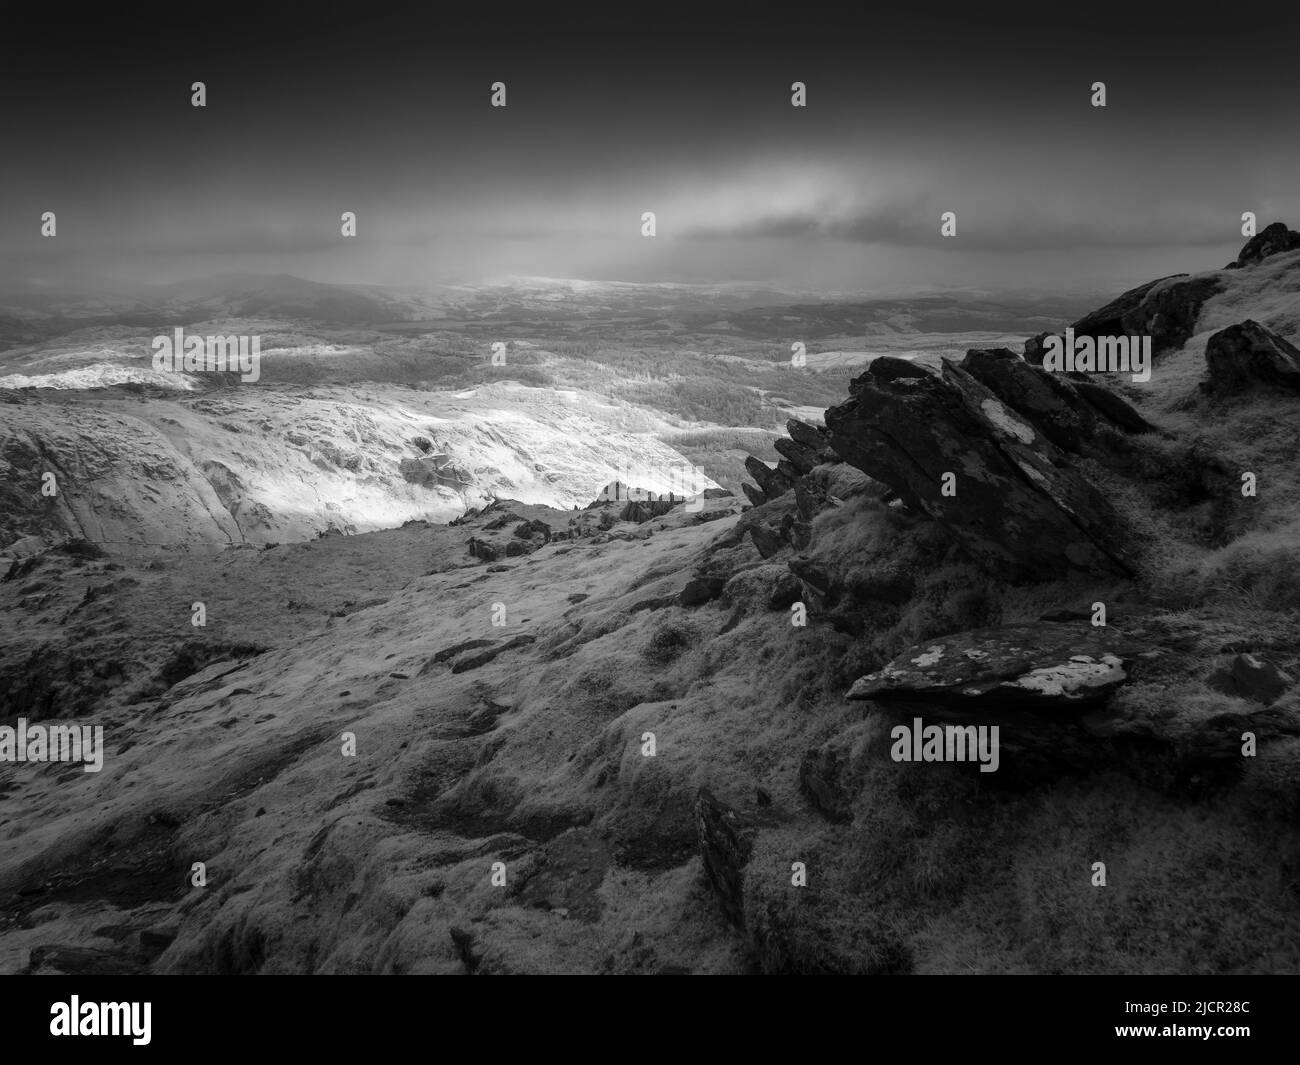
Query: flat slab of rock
[1044, 664]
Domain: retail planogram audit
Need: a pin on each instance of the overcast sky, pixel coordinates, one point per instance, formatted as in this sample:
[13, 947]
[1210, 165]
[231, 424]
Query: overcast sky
[645, 108]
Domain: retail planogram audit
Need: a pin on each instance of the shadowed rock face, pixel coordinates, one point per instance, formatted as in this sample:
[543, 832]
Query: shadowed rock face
[1165, 309]
[1018, 509]
[1053, 666]
[1248, 355]
[1271, 240]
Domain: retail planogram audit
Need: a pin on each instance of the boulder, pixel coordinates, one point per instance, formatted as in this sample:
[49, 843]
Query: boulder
[1019, 509]
[1249, 355]
[1251, 677]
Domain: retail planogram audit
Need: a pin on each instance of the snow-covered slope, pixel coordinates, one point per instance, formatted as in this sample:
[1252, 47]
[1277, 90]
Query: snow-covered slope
[271, 464]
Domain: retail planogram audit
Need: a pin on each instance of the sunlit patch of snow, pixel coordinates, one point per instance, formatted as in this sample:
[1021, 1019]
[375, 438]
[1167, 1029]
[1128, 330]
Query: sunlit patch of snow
[100, 375]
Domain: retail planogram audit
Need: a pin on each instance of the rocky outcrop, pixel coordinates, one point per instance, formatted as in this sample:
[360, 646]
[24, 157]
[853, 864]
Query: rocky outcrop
[1248, 355]
[1165, 309]
[1016, 505]
[1273, 239]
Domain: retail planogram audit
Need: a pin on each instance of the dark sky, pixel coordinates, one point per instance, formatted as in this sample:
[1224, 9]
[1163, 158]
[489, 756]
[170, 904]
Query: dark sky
[682, 110]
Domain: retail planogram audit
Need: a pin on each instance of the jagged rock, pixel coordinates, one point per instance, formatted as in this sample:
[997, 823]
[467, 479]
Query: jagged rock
[481, 549]
[773, 482]
[1165, 309]
[725, 846]
[802, 459]
[1075, 420]
[809, 436]
[754, 495]
[1019, 510]
[1251, 678]
[716, 493]
[1248, 354]
[1054, 666]
[1273, 239]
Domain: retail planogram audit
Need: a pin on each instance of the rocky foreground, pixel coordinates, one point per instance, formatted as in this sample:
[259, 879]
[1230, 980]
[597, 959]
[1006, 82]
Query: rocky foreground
[655, 737]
